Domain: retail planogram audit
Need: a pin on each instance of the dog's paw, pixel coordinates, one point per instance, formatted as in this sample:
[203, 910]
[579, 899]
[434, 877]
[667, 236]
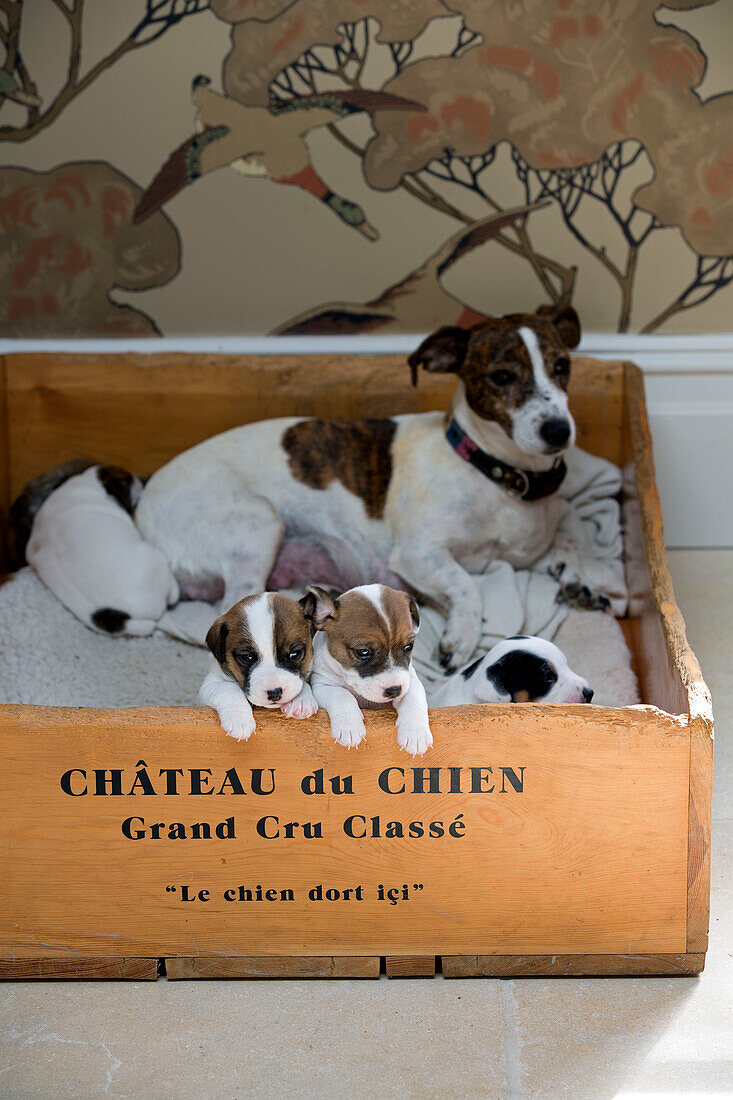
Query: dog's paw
[454, 652]
[300, 707]
[577, 595]
[414, 739]
[349, 734]
[239, 724]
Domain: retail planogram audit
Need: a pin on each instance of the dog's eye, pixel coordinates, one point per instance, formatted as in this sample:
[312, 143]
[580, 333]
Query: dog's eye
[562, 366]
[363, 653]
[246, 657]
[408, 647]
[296, 653]
[501, 377]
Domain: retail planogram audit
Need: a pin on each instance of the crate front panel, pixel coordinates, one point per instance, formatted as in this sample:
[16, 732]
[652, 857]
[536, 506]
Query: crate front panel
[589, 854]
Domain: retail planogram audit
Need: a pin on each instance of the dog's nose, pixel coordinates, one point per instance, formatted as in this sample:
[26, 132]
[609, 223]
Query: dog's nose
[587, 695]
[274, 694]
[555, 432]
[393, 692]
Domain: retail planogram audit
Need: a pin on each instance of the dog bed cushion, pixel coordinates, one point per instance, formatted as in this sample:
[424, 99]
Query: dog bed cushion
[49, 658]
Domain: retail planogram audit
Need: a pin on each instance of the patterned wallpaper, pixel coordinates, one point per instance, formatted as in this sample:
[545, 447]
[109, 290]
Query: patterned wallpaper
[184, 167]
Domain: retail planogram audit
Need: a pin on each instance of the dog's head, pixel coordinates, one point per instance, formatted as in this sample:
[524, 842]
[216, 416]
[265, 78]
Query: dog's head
[369, 632]
[525, 670]
[264, 642]
[515, 371]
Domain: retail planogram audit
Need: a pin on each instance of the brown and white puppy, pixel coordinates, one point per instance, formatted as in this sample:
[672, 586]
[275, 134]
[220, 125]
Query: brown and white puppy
[362, 657]
[397, 501]
[261, 654]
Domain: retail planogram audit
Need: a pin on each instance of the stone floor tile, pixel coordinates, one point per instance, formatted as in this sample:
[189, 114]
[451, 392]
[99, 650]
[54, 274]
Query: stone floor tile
[165, 1041]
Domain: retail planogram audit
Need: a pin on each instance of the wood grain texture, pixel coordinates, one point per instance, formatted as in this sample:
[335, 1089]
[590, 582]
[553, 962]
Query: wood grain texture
[138, 411]
[671, 675]
[410, 966]
[526, 877]
[273, 966]
[78, 969]
[5, 492]
[589, 966]
[700, 824]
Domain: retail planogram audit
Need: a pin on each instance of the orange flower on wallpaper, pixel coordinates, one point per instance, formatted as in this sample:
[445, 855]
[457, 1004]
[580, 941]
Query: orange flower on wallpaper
[66, 241]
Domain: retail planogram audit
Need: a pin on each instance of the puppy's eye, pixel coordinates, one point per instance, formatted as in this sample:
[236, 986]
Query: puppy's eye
[501, 377]
[363, 653]
[245, 657]
[562, 366]
[408, 647]
[296, 653]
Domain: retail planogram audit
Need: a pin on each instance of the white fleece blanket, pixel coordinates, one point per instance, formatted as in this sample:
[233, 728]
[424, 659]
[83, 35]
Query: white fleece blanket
[47, 656]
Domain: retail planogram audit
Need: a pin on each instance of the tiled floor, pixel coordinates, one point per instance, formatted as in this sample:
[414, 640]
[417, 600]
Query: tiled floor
[631, 1038]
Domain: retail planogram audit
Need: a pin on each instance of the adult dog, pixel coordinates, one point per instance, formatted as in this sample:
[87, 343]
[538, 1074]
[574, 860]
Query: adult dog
[422, 501]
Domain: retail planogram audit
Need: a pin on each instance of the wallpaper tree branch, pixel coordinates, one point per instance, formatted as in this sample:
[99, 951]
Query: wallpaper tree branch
[567, 142]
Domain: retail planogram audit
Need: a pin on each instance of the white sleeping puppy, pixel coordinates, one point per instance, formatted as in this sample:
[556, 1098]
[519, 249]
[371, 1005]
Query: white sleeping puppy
[522, 669]
[87, 550]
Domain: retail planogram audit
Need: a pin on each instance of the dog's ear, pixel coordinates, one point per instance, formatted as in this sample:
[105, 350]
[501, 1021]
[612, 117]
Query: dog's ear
[443, 351]
[319, 607]
[414, 613]
[216, 639]
[566, 322]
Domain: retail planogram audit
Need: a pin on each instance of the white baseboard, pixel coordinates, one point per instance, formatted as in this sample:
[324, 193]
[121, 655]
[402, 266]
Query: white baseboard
[689, 385]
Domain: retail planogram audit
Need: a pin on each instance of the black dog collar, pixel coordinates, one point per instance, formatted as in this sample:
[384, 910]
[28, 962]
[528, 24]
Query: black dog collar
[526, 484]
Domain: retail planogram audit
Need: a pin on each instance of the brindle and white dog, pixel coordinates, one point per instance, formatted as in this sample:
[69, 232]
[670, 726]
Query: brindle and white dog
[417, 500]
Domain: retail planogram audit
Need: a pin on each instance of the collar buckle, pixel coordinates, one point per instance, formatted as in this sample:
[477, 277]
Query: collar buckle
[518, 484]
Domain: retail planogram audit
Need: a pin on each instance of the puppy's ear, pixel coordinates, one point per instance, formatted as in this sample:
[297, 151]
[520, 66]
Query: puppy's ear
[443, 351]
[414, 613]
[216, 639]
[566, 322]
[319, 607]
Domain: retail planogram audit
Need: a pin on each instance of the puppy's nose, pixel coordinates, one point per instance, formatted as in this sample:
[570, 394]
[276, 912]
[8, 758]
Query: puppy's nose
[276, 693]
[555, 432]
[393, 692]
[587, 695]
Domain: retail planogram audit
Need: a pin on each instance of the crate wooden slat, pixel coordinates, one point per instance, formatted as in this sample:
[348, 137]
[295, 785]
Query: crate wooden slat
[79, 969]
[273, 966]
[577, 966]
[410, 966]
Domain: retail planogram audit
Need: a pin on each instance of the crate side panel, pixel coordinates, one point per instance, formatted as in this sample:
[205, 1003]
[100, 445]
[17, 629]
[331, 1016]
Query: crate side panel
[138, 411]
[583, 850]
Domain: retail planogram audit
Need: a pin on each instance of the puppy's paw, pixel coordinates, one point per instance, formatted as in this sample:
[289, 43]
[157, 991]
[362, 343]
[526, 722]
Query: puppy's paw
[302, 706]
[414, 739]
[456, 650]
[239, 724]
[350, 734]
[582, 597]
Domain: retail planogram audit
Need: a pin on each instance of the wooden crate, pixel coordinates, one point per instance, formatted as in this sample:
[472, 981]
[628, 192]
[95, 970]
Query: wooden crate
[576, 839]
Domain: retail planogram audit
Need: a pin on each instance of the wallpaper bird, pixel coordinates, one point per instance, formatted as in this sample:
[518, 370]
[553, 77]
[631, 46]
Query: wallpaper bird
[265, 142]
[403, 306]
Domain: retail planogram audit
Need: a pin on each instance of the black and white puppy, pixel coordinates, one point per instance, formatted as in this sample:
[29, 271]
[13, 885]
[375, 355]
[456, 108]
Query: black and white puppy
[517, 670]
[261, 655]
[74, 526]
[362, 657]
